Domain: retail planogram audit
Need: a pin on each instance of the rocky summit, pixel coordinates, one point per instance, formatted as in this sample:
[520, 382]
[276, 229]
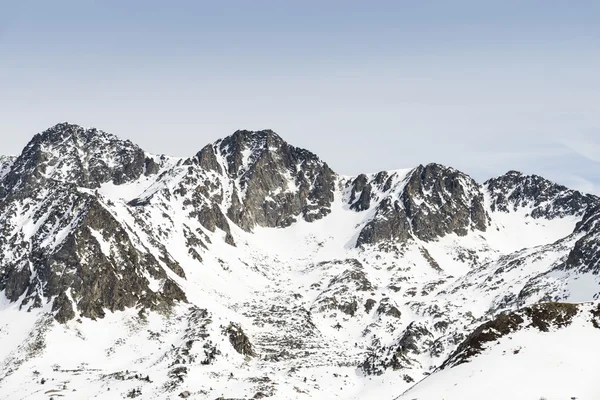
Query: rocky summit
[253, 270]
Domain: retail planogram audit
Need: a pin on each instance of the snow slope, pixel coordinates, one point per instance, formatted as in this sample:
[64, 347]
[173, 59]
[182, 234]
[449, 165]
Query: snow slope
[245, 271]
[526, 364]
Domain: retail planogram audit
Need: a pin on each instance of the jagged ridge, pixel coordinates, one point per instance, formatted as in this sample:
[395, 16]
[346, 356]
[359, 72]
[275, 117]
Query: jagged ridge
[380, 272]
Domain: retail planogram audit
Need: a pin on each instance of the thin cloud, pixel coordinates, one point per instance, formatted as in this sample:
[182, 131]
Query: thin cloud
[587, 146]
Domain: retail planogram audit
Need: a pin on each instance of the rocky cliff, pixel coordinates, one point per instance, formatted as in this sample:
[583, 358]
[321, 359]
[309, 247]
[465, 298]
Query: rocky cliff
[251, 269]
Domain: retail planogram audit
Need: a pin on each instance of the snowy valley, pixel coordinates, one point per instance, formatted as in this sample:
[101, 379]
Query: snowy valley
[253, 270]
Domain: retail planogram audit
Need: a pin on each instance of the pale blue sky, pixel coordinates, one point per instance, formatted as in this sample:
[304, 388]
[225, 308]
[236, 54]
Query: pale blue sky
[484, 86]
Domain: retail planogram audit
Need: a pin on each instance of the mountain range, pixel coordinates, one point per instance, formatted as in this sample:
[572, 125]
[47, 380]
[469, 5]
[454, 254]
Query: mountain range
[253, 270]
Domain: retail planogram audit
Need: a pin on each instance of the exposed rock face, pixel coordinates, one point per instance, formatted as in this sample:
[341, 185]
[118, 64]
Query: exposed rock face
[78, 269]
[453, 202]
[546, 199]
[239, 340]
[363, 201]
[369, 304]
[251, 179]
[432, 202]
[90, 224]
[386, 307]
[389, 223]
[6, 163]
[345, 291]
[414, 340]
[585, 257]
[71, 154]
[276, 181]
[76, 253]
[541, 316]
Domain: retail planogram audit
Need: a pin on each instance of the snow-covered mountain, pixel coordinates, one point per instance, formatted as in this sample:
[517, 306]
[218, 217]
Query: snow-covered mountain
[252, 270]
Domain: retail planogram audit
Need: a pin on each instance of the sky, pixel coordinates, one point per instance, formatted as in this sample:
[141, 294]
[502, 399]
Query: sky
[483, 86]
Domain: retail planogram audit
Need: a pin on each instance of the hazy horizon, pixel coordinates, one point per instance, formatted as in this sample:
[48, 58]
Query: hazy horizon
[484, 88]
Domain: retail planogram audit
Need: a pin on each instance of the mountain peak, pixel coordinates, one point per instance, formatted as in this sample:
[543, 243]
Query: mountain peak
[248, 134]
[386, 274]
[514, 173]
[515, 190]
[427, 202]
[435, 166]
[69, 153]
[63, 131]
[250, 142]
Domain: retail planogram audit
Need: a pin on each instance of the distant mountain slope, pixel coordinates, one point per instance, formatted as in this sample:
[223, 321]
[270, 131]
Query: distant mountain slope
[251, 269]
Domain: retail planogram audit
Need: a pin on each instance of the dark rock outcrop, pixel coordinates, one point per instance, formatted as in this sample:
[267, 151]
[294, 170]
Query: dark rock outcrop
[369, 304]
[542, 316]
[415, 339]
[433, 202]
[585, 257]
[546, 199]
[240, 342]
[360, 185]
[387, 307]
[79, 253]
[252, 178]
[75, 252]
[277, 181]
[72, 154]
[346, 290]
[77, 271]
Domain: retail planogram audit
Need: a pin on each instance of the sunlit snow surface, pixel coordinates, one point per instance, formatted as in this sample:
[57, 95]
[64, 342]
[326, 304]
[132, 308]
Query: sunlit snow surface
[527, 364]
[272, 283]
